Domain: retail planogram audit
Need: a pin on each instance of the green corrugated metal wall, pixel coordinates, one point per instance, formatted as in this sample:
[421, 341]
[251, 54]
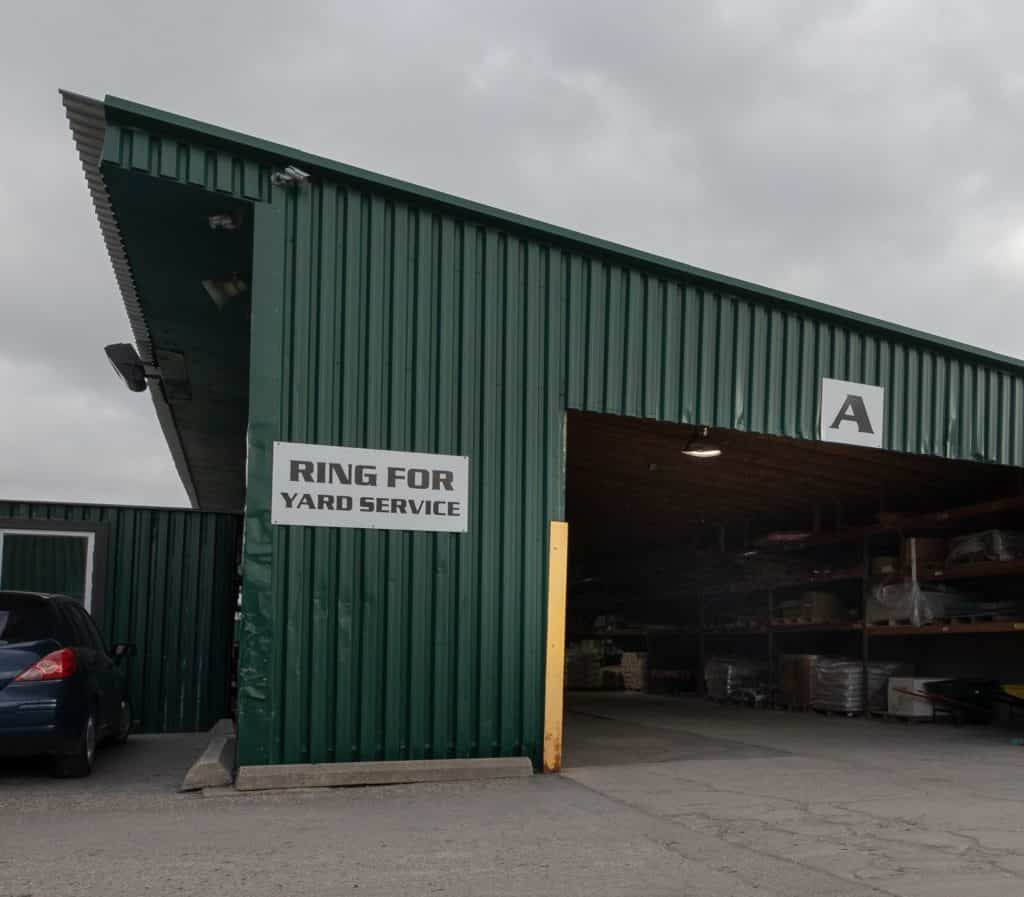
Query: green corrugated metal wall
[385, 316]
[169, 587]
[645, 345]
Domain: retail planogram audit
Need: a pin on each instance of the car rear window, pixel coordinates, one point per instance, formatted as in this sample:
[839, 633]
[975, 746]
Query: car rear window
[24, 620]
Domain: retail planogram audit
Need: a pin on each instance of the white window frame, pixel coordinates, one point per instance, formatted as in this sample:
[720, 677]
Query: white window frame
[90, 551]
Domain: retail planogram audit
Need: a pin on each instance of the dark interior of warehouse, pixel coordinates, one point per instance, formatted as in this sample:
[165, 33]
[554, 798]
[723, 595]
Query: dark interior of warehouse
[790, 574]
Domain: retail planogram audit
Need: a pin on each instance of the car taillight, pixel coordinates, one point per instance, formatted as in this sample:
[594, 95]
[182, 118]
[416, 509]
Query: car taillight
[55, 665]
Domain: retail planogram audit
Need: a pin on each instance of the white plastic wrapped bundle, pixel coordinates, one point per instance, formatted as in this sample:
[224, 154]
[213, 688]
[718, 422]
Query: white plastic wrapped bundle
[990, 545]
[908, 601]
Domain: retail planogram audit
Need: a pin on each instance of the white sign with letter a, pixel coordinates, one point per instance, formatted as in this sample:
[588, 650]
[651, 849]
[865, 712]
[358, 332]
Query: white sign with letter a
[852, 413]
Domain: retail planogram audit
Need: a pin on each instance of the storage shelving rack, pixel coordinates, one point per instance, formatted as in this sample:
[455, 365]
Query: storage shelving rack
[948, 521]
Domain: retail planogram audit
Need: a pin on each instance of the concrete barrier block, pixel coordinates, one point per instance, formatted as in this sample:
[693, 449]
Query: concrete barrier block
[215, 767]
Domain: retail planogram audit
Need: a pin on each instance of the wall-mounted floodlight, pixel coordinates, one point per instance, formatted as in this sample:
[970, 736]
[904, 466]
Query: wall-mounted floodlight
[289, 175]
[129, 367]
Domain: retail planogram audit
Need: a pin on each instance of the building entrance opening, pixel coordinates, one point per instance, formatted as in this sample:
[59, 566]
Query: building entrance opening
[711, 569]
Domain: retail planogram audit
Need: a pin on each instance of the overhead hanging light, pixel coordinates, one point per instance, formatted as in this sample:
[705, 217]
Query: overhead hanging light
[221, 292]
[701, 446]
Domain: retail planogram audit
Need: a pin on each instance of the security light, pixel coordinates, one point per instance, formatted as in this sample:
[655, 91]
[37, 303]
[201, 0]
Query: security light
[224, 221]
[700, 446]
[290, 175]
[129, 367]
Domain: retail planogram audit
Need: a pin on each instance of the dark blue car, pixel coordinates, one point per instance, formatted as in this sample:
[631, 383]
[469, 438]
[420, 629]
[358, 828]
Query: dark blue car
[61, 692]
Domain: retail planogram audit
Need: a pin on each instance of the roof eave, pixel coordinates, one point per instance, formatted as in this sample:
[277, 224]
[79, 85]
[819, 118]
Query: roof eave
[88, 121]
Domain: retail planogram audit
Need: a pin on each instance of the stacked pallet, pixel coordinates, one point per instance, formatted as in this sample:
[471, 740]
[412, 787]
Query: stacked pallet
[839, 684]
[634, 670]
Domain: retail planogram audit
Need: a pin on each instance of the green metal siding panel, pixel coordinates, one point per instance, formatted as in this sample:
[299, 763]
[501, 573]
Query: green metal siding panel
[728, 361]
[169, 587]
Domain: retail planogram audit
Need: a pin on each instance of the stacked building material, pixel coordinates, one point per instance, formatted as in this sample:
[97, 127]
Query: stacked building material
[839, 684]
[797, 679]
[634, 670]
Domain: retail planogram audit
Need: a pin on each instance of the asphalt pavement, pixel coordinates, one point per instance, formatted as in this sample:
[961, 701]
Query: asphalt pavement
[716, 802]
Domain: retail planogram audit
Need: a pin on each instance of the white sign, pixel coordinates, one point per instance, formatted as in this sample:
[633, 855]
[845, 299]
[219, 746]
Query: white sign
[852, 413]
[332, 485]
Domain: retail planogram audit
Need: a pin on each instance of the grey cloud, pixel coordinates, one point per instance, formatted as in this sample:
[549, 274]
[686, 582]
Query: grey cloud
[865, 154]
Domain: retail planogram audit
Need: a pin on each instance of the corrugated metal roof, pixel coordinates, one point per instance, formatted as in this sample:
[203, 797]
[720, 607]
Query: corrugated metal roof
[87, 118]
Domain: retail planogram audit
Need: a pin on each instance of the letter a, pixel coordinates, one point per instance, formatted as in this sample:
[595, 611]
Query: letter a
[853, 410]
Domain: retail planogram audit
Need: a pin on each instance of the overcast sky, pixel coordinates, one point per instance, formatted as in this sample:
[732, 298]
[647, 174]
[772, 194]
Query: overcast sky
[868, 155]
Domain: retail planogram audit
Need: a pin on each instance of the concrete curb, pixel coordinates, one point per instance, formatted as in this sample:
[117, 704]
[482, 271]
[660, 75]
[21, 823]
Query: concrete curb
[216, 765]
[392, 772]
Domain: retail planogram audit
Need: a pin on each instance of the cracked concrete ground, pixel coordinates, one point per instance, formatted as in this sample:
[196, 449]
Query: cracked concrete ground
[660, 797]
[907, 810]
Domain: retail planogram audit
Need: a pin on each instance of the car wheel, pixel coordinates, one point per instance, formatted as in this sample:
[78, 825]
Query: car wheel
[80, 762]
[124, 723]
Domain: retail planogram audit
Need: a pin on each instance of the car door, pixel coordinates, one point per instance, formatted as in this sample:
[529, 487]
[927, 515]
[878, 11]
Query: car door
[73, 635]
[85, 653]
[108, 677]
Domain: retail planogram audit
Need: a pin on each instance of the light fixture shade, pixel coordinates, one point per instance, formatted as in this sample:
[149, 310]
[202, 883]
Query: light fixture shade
[701, 446]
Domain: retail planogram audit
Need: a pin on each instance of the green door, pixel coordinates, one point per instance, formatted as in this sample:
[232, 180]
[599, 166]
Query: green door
[32, 562]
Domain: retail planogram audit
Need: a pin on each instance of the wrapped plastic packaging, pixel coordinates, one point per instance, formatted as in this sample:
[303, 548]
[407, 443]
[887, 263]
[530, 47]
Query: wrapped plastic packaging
[839, 684]
[989, 545]
[734, 678]
[908, 601]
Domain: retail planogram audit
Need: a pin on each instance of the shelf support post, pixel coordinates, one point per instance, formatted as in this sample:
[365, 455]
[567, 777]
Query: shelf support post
[865, 656]
[771, 648]
[700, 646]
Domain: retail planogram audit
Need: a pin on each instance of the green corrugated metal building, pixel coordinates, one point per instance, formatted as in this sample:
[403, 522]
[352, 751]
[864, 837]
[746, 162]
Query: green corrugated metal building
[388, 316]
